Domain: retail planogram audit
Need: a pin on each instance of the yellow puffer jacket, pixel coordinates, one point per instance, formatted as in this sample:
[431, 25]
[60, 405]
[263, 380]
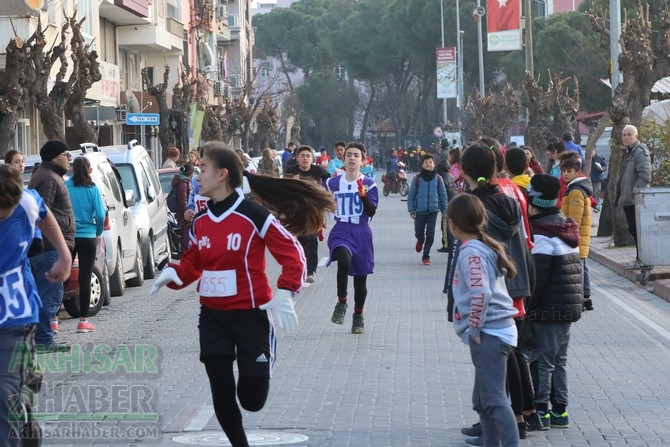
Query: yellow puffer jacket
[577, 205]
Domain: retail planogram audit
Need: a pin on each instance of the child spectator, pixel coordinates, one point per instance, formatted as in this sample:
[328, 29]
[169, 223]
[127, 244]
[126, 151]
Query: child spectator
[577, 206]
[534, 165]
[484, 316]
[517, 167]
[556, 302]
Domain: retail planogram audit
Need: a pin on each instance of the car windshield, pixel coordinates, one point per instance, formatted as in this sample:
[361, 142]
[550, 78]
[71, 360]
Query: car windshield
[166, 180]
[128, 179]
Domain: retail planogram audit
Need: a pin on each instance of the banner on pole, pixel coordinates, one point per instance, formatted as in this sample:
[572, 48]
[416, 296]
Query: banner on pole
[503, 25]
[446, 72]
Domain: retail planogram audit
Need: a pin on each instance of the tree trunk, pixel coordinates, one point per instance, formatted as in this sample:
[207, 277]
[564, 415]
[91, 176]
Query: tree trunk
[166, 135]
[87, 75]
[13, 91]
[644, 59]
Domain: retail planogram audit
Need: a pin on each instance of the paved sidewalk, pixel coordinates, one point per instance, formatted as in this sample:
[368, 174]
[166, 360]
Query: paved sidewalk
[408, 380]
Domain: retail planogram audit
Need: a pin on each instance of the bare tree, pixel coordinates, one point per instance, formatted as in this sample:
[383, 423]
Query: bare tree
[51, 104]
[166, 135]
[550, 112]
[87, 74]
[14, 87]
[491, 115]
[644, 59]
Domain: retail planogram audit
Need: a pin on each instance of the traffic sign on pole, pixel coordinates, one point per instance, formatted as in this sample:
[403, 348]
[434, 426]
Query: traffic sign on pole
[143, 119]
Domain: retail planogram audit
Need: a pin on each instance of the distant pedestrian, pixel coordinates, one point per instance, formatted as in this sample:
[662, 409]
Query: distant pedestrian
[89, 212]
[597, 174]
[350, 239]
[305, 169]
[267, 165]
[570, 145]
[427, 198]
[288, 157]
[172, 159]
[485, 317]
[336, 164]
[181, 184]
[634, 172]
[16, 159]
[238, 309]
[533, 164]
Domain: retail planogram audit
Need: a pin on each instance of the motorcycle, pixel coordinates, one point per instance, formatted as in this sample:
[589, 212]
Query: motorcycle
[174, 235]
[399, 185]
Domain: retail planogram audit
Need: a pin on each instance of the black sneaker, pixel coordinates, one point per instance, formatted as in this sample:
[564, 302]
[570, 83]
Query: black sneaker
[534, 423]
[475, 430]
[588, 304]
[523, 430]
[443, 250]
[339, 312]
[358, 326]
[479, 440]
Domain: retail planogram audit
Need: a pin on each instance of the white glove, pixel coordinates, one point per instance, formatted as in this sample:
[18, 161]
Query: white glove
[168, 275]
[281, 306]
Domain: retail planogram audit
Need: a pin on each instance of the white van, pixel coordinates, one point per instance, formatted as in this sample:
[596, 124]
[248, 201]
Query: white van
[150, 212]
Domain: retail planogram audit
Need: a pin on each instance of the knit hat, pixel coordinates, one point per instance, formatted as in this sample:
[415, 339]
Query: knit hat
[543, 190]
[52, 149]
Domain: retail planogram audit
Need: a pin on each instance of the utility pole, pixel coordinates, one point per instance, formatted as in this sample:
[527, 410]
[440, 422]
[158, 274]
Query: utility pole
[482, 93]
[444, 100]
[529, 38]
[615, 47]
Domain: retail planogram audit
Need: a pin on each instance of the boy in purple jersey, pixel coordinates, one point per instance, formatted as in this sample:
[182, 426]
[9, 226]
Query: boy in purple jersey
[21, 212]
[350, 240]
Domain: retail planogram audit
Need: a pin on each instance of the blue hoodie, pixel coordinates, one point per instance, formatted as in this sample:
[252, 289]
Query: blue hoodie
[89, 209]
[481, 301]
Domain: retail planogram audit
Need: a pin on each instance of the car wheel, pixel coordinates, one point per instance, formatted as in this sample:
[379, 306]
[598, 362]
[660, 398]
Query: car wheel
[97, 297]
[105, 278]
[117, 285]
[150, 265]
[138, 269]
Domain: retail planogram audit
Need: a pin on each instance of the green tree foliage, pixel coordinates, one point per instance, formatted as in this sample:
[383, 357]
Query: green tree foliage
[327, 105]
[578, 54]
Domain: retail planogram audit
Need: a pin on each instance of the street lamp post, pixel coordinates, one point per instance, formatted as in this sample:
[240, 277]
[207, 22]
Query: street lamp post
[444, 100]
[459, 57]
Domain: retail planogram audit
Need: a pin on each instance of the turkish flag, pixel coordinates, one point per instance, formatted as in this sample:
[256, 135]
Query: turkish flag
[503, 15]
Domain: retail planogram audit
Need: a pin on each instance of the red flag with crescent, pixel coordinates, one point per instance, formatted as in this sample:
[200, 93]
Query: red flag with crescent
[503, 15]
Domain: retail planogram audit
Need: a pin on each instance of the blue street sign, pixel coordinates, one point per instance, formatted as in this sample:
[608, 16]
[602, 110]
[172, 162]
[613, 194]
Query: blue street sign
[143, 119]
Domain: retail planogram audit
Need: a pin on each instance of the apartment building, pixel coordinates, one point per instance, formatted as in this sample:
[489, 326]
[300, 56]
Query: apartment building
[130, 35]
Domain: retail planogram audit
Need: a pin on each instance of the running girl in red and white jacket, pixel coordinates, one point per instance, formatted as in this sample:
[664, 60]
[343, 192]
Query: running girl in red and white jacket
[227, 256]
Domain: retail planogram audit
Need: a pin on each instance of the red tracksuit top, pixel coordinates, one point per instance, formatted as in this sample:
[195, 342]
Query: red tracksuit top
[227, 255]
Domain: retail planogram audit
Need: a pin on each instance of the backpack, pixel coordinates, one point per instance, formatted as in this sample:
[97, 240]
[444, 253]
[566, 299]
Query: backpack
[172, 200]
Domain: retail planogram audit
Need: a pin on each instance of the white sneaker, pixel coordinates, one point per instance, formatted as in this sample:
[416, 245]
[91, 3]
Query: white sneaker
[310, 279]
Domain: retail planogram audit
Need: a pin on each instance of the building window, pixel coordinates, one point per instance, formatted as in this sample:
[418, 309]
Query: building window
[174, 9]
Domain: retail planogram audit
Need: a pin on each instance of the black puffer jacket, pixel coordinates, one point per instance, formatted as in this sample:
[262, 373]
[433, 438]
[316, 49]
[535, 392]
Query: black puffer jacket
[49, 184]
[558, 291]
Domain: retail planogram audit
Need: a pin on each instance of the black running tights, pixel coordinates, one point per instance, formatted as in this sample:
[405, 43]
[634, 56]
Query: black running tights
[343, 258]
[252, 392]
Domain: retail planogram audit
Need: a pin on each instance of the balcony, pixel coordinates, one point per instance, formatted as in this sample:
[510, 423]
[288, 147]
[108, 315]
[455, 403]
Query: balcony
[125, 12]
[149, 38]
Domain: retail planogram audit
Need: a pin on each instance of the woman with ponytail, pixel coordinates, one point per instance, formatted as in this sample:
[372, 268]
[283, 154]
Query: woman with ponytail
[484, 317]
[227, 257]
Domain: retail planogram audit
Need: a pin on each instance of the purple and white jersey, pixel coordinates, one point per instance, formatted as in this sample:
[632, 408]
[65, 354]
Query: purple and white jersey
[19, 300]
[349, 203]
